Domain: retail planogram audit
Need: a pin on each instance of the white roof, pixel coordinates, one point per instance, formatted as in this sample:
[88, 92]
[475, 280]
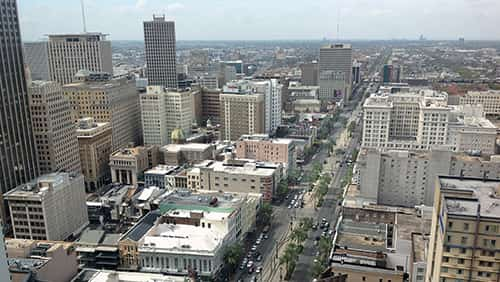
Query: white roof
[121, 276]
[183, 239]
[186, 147]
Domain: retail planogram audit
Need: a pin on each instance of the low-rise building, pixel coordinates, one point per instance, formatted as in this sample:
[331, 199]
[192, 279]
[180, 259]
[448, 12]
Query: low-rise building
[179, 154]
[94, 275]
[31, 260]
[51, 207]
[97, 249]
[94, 141]
[374, 243]
[128, 165]
[166, 177]
[237, 176]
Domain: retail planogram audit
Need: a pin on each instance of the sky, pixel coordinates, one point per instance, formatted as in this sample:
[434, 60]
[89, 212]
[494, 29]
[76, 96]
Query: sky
[269, 19]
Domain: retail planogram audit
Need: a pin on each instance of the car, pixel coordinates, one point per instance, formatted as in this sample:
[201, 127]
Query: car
[287, 196]
[245, 260]
[289, 206]
[330, 232]
[292, 202]
[249, 255]
[317, 253]
[324, 234]
[261, 236]
[242, 266]
[259, 258]
[266, 236]
[316, 243]
[249, 264]
[259, 269]
[257, 242]
[315, 226]
[323, 220]
[254, 248]
[251, 269]
[253, 279]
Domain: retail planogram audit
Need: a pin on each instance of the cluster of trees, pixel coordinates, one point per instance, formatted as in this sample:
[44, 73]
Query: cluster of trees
[292, 251]
[324, 247]
[232, 256]
[322, 189]
[265, 214]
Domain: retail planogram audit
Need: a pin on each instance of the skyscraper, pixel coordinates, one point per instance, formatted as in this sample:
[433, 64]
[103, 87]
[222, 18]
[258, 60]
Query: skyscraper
[159, 39]
[53, 128]
[70, 53]
[272, 102]
[335, 72]
[309, 74]
[37, 59]
[17, 148]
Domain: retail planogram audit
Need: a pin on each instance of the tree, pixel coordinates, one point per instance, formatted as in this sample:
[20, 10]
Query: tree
[282, 188]
[289, 258]
[351, 127]
[324, 247]
[232, 255]
[298, 235]
[265, 214]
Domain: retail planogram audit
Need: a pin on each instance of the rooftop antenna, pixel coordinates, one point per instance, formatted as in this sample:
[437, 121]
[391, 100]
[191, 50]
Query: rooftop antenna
[83, 17]
[338, 24]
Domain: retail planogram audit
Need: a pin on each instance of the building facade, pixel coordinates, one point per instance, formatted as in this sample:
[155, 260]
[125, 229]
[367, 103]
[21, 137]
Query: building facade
[335, 72]
[107, 99]
[95, 144]
[465, 230]
[490, 100]
[265, 149]
[51, 207]
[37, 58]
[163, 111]
[128, 165]
[18, 158]
[53, 128]
[70, 53]
[309, 74]
[241, 114]
[210, 106]
[159, 39]
[271, 89]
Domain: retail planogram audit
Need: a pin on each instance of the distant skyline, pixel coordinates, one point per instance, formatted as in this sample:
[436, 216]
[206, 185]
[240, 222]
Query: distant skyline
[268, 20]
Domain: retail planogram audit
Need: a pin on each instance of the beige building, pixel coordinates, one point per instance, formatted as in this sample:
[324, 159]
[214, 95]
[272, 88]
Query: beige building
[464, 244]
[53, 128]
[107, 99]
[41, 260]
[265, 149]
[162, 111]
[335, 72]
[51, 207]
[95, 142]
[128, 165]
[179, 154]
[490, 100]
[241, 114]
[70, 53]
[234, 176]
[405, 178]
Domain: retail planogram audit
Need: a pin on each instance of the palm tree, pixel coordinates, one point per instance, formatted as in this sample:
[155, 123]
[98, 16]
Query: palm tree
[232, 255]
[289, 258]
[298, 235]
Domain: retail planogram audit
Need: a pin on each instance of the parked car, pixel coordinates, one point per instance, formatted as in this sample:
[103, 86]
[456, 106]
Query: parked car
[259, 269]
[259, 258]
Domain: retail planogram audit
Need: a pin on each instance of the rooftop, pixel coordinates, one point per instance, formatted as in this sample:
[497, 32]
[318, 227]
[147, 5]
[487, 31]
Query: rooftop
[247, 168]
[136, 232]
[183, 238]
[470, 196]
[40, 186]
[186, 147]
[94, 275]
[207, 202]
[161, 169]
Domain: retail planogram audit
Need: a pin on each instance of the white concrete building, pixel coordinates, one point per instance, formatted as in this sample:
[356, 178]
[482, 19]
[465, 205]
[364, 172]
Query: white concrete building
[159, 39]
[272, 102]
[51, 207]
[70, 53]
[403, 178]
[162, 111]
[490, 100]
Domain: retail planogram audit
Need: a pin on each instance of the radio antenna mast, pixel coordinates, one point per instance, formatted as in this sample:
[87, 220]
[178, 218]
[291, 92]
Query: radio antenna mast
[338, 24]
[83, 17]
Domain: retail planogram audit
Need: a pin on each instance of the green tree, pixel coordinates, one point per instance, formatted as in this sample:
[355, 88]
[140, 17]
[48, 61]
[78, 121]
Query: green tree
[324, 247]
[289, 258]
[298, 235]
[351, 127]
[317, 268]
[282, 188]
[265, 214]
[232, 255]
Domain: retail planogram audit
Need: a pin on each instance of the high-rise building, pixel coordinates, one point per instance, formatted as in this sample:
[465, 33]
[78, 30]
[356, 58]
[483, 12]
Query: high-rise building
[107, 99]
[464, 243]
[391, 73]
[70, 53]
[159, 39]
[56, 210]
[18, 161]
[309, 74]
[36, 56]
[272, 102]
[53, 128]
[241, 111]
[490, 100]
[162, 111]
[94, 140]
[4, 267]
[335, 72]
[356, 73]
[210, 105]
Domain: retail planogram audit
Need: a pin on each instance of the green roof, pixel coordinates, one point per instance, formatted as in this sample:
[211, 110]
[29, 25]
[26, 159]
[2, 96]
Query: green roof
[164, 208]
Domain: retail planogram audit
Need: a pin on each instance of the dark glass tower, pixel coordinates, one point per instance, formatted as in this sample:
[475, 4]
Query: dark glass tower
[18, 162]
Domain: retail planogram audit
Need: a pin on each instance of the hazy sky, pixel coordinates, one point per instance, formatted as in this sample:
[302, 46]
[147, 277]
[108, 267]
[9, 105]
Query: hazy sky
[269, 19]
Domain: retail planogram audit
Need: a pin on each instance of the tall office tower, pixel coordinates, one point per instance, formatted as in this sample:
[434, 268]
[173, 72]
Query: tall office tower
[4, 267]
[162, 112]
[159, 39]
[53, 128]
[464, 242]
[335, 72]
[356, 73]
[241, 112]
[387, 71]
[272, 102]
[309, 76]
[37, 59]
[18, 161]
[107, 99]
[70, 53]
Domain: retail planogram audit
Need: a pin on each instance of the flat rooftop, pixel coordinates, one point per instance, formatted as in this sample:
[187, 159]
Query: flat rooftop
[161, 169]
[226, 202]
[183, 238]
[94, 275]
[186, 147]
[247, 168]
[467, 196]
[40, 186]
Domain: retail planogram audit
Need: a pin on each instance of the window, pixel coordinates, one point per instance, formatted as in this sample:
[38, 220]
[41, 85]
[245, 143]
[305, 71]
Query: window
[466, 226]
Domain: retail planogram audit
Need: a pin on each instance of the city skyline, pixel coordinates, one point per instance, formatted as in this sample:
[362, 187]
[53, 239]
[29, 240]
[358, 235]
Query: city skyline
[359, 19]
